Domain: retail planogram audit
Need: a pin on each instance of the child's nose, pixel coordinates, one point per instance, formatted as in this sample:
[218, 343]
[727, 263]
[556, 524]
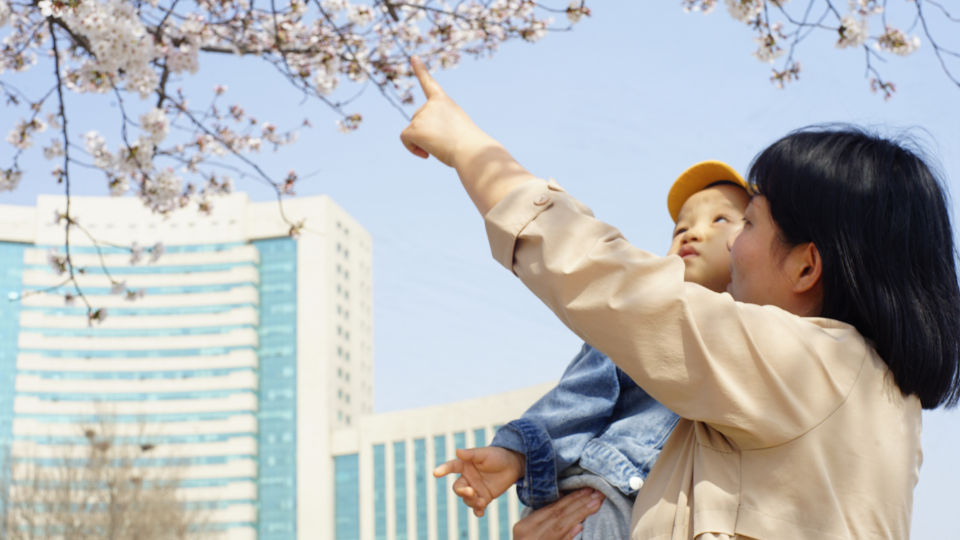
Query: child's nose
[693, 234]
[733, 238]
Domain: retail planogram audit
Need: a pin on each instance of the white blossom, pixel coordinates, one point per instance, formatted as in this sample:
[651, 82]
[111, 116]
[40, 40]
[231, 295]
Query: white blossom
[360, 15]
[5, 13]
[57, 261]
[161, 192]
[53, 150]
[52, 9]
[704, 6]
[157, 251]
[897, 42]
[866, 7]
[852, 32]
[768, 48]
[97, 148]
[744, 10]
[9, 179]
[334, 6]
[21, 136]
[97, 315]
[576, 10]
[156, 123]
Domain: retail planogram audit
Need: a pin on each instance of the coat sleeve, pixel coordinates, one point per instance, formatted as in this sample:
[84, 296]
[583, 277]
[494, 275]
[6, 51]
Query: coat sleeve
[554, 431]
[758, 374]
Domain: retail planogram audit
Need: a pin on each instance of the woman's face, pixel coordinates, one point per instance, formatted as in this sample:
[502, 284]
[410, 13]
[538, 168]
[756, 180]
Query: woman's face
[757, 256]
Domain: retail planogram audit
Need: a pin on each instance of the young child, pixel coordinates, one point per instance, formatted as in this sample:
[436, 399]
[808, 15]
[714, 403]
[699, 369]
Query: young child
[597, 428]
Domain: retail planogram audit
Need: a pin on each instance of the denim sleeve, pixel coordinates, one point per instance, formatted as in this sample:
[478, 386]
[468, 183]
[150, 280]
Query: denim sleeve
[554, 431]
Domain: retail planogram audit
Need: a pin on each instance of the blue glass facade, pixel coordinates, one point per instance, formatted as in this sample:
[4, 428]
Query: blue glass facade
[11, 270]
[54, 400]
[503, 522]
[277, 417]
[400, 489]
[379, 492]
[440, 456]
[483, 523]
[420, 479]
[463, 532]
[346, 495]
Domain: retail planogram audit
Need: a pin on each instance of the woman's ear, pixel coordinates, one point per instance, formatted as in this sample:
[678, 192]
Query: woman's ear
[806, 268]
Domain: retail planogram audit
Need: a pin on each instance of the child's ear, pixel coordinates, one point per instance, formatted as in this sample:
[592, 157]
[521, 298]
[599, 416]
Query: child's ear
[806, 268]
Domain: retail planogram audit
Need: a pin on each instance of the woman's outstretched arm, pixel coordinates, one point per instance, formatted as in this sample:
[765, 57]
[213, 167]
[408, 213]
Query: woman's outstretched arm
[440, 128]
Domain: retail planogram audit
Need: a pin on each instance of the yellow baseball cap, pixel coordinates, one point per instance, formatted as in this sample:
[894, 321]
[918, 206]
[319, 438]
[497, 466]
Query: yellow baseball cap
[698, 177]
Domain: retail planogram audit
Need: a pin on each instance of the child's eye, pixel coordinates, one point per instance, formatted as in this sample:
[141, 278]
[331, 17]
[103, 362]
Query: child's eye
[679, 231]
[721, 219]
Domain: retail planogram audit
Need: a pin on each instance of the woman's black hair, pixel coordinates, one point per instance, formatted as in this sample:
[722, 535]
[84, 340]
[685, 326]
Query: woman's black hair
[878, 216]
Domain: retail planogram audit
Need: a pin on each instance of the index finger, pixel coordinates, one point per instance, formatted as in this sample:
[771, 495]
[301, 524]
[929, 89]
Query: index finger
[430, 87]
[452, 466]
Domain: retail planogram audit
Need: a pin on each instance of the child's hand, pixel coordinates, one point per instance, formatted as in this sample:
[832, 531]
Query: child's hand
[485, 473]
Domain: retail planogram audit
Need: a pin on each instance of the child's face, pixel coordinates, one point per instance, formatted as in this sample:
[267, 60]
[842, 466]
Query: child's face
[705, 224]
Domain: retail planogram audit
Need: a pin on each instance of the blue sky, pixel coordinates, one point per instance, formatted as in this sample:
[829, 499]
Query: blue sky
[613, 110]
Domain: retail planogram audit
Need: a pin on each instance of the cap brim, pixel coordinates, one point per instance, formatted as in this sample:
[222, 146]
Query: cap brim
[698, 177]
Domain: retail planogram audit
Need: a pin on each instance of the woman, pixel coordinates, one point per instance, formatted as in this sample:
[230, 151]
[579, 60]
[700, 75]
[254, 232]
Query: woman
[801, 390]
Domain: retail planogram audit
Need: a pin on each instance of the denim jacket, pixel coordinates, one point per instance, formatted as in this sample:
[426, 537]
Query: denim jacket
[597, 418]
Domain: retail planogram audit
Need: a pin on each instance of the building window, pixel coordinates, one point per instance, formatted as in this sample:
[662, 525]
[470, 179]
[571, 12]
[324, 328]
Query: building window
[440, 456]
[420, 483]
[379, 493]
[463, 529]
[400, 489]
[483, 523]
[347, 497]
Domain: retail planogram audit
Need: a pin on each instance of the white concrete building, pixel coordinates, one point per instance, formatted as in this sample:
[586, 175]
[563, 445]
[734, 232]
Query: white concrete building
[246, 351]
[384, 488]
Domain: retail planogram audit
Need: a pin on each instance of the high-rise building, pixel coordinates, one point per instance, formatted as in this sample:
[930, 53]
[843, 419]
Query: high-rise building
[246, 351]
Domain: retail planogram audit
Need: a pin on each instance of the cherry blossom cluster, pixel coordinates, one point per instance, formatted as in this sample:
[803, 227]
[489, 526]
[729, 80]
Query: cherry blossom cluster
[136, 51]
[779, 26]
[176, 149]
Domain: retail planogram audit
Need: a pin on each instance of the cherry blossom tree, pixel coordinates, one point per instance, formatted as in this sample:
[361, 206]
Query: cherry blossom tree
[177, 150]
[879, 28]
[101, 488]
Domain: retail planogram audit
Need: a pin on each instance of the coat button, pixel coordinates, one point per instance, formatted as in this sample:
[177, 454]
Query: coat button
[542, 200]
[635, 482]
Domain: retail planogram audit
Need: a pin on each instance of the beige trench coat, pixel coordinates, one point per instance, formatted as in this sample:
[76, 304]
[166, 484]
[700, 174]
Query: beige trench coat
[792, 427]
